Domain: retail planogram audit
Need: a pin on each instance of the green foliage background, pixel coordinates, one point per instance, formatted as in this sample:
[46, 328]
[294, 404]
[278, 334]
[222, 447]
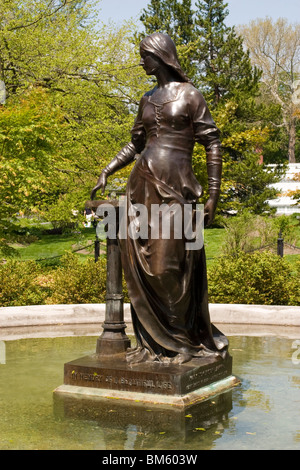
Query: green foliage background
[73, 86]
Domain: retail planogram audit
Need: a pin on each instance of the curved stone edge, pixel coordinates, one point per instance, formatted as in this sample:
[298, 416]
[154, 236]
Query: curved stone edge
[47, 315]
[255, 314]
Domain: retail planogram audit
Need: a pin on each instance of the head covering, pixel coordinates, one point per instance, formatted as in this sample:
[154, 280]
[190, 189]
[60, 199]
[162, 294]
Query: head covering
[163, 47]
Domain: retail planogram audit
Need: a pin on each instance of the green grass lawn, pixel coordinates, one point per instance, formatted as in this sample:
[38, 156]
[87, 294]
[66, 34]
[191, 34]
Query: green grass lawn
[213, 240]
[49, 246]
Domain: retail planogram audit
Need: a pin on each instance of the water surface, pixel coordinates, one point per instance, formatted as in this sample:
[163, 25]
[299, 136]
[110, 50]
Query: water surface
[262, 413]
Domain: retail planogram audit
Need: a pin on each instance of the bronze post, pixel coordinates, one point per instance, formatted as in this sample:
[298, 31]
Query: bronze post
[113, 339]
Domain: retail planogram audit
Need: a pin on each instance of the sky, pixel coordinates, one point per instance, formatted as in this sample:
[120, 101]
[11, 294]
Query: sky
[240, 11]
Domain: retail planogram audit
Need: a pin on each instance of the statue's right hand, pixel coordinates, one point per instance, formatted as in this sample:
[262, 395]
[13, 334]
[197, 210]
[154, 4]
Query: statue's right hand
[101, 184]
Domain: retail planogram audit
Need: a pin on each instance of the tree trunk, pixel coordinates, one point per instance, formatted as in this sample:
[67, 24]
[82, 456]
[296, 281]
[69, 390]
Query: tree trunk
[292, 140]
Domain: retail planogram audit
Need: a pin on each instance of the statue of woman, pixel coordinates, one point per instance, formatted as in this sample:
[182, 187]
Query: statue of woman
[166, 282]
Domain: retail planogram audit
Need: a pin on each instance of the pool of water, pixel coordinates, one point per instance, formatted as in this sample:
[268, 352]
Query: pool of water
[263, 412]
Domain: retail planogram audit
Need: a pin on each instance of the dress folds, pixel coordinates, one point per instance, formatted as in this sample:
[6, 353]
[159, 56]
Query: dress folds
[167, 283]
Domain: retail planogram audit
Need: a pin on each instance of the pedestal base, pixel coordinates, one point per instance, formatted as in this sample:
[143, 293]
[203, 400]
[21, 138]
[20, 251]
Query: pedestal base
[175, 385]
[156, 399]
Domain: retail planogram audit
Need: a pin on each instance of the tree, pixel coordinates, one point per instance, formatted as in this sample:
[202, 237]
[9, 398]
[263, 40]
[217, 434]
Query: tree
[28, 137]
[275, 48]
[35, 41]
[28, 152]
[176, 19]
[92, 75]
[245, 181]
[224, 66]
[211, 53]
[100, 108]
[222, 70]
[55, 59]
[231, 84]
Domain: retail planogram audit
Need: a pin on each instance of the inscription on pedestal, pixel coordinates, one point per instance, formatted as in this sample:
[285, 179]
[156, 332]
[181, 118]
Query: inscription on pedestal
[148, 378]
[203, 376]
[133, 383]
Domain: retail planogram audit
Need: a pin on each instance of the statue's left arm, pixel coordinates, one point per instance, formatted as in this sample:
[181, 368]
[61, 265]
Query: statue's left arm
[207, 134]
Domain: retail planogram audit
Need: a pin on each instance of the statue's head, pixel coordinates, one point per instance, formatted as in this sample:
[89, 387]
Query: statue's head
[163, 47]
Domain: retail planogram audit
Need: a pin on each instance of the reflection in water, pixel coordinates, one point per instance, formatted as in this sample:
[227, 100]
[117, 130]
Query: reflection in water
[262, 413]
[141, 426]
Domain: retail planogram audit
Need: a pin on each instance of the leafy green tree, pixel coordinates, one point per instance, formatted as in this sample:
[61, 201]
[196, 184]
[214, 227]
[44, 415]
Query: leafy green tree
[44, 44]
[100, 111]
[28, 142]
[35, 41]
[91, 76]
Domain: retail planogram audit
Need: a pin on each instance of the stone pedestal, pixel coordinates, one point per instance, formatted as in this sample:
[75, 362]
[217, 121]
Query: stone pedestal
[176, 385]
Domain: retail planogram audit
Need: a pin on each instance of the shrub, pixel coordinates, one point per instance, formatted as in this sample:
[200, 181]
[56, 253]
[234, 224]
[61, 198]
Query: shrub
[247, 232]
[73, 282]
[258, 278]
[18, 284]
[76, 282]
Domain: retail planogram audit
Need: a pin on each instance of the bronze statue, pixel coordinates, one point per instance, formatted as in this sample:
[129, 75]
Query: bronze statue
[167, 283]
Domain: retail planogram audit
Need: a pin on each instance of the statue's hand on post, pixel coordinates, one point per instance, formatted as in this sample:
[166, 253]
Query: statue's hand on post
[101, 184]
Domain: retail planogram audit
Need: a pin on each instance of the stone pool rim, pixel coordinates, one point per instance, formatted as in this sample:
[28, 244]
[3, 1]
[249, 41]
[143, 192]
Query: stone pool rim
[76, 314]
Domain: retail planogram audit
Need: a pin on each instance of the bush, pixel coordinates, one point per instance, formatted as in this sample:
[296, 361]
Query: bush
[72, 282]
[247, 232]
[19, 284]
[258, 278]
[76, 282]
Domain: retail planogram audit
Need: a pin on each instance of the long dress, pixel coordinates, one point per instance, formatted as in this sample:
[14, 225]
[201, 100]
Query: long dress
[167, 283]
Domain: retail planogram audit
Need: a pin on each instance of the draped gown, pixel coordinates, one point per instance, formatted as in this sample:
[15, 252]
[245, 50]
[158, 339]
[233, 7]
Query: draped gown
[167, 283]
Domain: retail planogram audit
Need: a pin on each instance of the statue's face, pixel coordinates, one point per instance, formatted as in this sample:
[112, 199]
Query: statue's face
[149, 62]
